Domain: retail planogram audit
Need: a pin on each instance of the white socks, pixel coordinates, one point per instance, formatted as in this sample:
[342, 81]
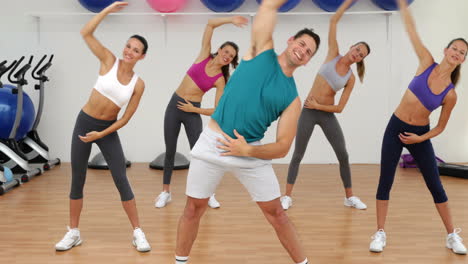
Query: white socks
[181, 260]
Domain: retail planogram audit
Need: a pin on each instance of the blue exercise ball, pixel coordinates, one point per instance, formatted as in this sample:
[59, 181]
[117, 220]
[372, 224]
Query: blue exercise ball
[290, 4]
[223, 5]
[390, 5]
[8, 102]
[96, 6]
[330, 5]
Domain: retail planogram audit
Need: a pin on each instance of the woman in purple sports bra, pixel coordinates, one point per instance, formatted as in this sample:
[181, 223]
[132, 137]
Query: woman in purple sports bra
[208, 71]
[433, 86]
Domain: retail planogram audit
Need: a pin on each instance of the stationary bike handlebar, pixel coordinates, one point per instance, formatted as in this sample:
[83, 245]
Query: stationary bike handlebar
[4, 69]
[36, 74]
[19, 75]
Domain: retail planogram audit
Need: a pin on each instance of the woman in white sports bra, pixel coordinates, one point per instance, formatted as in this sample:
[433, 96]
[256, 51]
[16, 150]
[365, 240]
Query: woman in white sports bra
[319, 109]
[116, 86]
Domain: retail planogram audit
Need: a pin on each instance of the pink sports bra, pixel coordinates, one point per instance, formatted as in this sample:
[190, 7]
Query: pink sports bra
[199, 76]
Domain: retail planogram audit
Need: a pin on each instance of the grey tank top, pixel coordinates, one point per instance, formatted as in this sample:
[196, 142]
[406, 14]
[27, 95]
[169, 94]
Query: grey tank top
[328, 72]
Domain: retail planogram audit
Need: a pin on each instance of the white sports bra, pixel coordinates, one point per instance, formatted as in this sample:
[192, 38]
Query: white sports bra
[109, 86]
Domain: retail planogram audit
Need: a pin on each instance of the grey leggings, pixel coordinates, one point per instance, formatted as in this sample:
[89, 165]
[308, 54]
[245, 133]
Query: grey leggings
[111, 149]
[173, 118]
[332, 130]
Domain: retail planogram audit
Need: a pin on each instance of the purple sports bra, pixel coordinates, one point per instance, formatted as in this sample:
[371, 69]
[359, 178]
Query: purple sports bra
[199, 76]
[420, 88]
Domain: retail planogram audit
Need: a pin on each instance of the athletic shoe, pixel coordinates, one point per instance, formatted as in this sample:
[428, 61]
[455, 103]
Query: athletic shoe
[286, 202]
[139, 240]
[379, 241]
[213, 203]
[163, 199]
[71, 239]
[355, 202]
[454, 242]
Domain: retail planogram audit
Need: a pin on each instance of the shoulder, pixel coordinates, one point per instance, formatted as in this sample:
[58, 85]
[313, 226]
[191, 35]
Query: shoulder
[140, 84]
[451, 97]
[220, 81]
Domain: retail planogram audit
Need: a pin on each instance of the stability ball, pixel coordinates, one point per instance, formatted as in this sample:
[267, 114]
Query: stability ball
[8, 102]
[390, 5]
[330, 5]
[166, 6]
[96, 6]
[290, 4]
[222, 5]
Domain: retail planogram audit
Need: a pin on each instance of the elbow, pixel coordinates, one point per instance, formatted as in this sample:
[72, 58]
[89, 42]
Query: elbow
[440, 129]
[211, 23]
[84, 32]
[339, 110]
[283, 152]
[281, 155]
[123, 122]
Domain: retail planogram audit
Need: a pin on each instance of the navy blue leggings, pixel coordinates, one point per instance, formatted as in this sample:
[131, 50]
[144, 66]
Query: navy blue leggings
[423, 154]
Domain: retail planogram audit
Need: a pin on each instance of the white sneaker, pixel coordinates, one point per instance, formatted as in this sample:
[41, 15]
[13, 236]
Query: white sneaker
[139, 240]
[286, 202]
[163, 199]
[355, 202]
[213, 203]
[72, 238]
[454, 242]
[379, 241]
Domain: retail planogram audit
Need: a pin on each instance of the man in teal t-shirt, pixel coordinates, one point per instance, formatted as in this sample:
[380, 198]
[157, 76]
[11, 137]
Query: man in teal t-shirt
[261, 90]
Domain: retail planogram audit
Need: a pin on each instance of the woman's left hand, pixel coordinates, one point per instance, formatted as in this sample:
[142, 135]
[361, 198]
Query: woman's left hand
[90, 137]
[186, 107]
[410, 138]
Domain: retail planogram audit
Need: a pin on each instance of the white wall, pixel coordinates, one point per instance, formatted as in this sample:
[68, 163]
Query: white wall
[389, 69]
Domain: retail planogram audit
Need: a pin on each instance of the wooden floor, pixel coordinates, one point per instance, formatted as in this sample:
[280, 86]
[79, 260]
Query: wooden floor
[34, 217]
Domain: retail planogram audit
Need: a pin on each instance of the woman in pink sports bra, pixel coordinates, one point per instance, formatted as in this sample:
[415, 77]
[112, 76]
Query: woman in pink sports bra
[208, 71]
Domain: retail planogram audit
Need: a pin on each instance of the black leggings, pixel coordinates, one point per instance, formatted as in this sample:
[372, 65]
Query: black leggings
[423, 154]
[111, 149]
[173, 118]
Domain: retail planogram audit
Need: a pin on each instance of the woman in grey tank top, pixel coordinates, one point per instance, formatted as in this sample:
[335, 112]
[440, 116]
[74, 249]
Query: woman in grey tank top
[319, 109]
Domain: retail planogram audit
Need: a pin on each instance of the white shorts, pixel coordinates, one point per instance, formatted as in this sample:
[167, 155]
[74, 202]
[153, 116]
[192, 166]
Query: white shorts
[207, 168]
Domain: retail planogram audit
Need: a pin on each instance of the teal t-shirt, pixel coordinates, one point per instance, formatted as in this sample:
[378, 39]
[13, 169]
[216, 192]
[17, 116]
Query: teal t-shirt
[256, 95]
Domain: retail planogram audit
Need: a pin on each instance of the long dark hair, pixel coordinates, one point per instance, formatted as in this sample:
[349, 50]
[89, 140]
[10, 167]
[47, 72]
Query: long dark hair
[455, 76]
[234, 62]
[361, 67]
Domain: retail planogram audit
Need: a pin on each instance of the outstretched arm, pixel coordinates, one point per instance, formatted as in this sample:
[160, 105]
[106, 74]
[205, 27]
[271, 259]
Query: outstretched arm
[238, 21]
[333, 49]
[263, 26]
[87, 32]
[425, 57]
